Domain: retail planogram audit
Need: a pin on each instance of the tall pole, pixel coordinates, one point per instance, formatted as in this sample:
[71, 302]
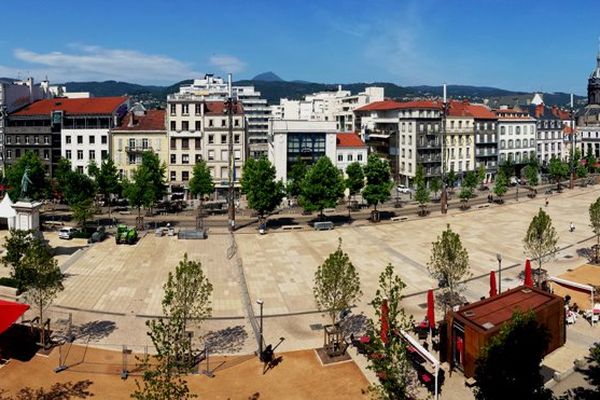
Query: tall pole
[231, 204]
[260, 345]
[499, 258]
[444, 196]
[573, 146]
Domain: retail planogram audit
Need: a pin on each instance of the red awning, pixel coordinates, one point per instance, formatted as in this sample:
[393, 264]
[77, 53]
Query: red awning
[10, 312]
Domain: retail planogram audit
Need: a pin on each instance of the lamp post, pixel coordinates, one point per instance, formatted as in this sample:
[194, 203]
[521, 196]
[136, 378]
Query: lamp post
[444, 195]
[230, 104]
[499, 258]
[260, 346]
[573, 145]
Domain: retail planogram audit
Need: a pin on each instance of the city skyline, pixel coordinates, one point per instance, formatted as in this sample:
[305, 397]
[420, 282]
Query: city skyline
[518, 46]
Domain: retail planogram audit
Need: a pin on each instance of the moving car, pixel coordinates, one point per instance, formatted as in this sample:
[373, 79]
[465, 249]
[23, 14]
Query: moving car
[403, 189]
[67, 232]
[98, 236]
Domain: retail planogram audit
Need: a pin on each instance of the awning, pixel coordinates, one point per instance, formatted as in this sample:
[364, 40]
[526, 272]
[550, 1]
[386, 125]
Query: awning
[10, 311]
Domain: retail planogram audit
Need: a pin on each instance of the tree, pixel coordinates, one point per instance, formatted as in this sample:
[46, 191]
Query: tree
[93, 169]
[509, 366]
[356, 178]
[83, 211]
[595, 224]
[558, 170]
[108, 182]
[508, 168]
[322, 186]
[396, 375]
[148, 185]
[38, 189]
[530, 172]
[435, 185]
[540, 240]
[378, 187]
[61, 173]
[296, 176]
[422, 195]
[481, 176]
[590, 160]
[263, 191]
[449, 264]
[201, 184]
[500, 185]
[44, 280]
[470, 180]
[465, 194]
[16, 246]
[451, 178]
[336, 284]
[581, 171]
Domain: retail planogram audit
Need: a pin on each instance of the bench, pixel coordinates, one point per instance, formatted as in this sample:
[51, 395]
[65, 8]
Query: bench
[291, 227]
[324, 225]
[394, 219]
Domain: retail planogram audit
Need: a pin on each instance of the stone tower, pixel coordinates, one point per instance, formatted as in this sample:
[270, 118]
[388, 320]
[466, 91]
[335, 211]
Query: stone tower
[594, 84]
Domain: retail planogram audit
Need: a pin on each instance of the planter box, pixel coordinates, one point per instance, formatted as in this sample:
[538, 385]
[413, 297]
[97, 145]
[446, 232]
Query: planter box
[8, 293]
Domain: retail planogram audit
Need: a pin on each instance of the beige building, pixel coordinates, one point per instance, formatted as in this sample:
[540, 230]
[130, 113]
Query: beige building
[460, 135]
[139, 131]
[198, 129]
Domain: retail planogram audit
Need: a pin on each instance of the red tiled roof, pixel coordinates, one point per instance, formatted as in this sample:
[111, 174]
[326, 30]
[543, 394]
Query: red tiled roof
[466, 109]
[152, 120]
[218, 108]
[380, 106]
[430, 104]
[93, 105]
[349, 139]
[481, 111]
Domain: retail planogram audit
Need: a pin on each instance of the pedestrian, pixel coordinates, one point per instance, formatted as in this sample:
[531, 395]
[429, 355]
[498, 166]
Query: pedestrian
[571, 227]
[546, 202]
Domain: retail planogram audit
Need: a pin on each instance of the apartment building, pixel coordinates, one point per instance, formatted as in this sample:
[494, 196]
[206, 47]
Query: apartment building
[76, 129]
[349, 149]
[486, 140]
[587, 133]
[549, 133]
[140, 131]
[199, 129]
[460, 138]
[516, 134]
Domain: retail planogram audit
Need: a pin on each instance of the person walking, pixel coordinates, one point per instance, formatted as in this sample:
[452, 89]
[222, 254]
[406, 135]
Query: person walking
[571, 227]
[546, 202]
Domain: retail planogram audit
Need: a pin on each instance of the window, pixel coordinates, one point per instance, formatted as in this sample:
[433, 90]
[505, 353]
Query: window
[173, 126]
[409, 167]
[197, 143]
[131, 143]
[531, 142]
[236, 122]
[211, 155]
[185, 158]
[403, 139]
[185, 109]
[223, 123]
[145, 143]
[26, 139]
[198, 125]
[409, 153]
[349, 157]
[8, 139]
[103, 154]
[185, 126]
[92, 139]
[223, 138]
[460, 165]
[224, 155]
[80, 154]
[197, 107]
[68, 154]
[131, 159]
[79, 139]
[211, 139]
[173, 109]
[238, 154]
[67, 139]
[518, 130]
[80, 169]
[502, 144]
[510, 130]
[173, 176]
[92, 154]
[340, 157]
[236, 139]
[198, 157]
[467, 164]
[502, 130]
[173, 159]
[403, 153]
[185, 144]
[173, 144]
[224, 173]
[211, 122]
[359, 157]
[409, 140]
[104, 139]
[17, 153]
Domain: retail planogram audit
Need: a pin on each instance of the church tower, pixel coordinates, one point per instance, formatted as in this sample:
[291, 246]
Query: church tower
[594, 84]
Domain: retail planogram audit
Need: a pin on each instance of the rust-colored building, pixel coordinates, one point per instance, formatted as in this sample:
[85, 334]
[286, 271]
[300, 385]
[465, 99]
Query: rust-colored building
[470, 328]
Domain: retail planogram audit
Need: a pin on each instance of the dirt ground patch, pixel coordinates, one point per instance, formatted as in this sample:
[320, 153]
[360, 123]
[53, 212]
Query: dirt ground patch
[299, 375]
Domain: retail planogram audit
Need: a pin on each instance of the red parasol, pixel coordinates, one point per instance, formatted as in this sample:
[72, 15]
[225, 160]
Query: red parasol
[528, 276]
[493, 290]
[385, 322]
[10, 312]
[430, 309]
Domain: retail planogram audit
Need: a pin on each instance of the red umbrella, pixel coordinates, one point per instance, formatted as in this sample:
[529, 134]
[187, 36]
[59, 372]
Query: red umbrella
[10, 312]
[493, 290]
[528, 276]
[385, 323]
[430, 309]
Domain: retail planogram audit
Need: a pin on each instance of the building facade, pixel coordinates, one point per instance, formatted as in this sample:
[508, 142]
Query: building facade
[486, 140]
[349, 149]
[460, 138]
[199, 129]
[549, 134]
[516, 135]
[139, 131]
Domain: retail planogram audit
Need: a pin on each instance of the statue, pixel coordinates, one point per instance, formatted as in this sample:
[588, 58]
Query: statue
[25, 182]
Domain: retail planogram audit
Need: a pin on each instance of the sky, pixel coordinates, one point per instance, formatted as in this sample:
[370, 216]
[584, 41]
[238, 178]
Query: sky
[543, 45]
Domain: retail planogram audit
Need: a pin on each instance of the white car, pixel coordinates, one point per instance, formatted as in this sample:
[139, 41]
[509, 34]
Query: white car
[67, 233]
[403, 189]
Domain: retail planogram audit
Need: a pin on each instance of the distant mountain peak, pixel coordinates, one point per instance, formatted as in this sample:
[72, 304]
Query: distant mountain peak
[268, 77]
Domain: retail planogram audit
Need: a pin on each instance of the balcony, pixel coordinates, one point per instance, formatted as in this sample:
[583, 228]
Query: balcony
[137, 149]
[486, 153]
[430, 172]
[432, 144]
[429, 158]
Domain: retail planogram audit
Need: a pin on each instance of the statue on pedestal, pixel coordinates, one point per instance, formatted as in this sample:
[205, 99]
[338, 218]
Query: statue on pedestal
[25, 182]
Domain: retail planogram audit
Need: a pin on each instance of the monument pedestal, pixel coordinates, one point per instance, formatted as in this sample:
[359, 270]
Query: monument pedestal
[28, 215]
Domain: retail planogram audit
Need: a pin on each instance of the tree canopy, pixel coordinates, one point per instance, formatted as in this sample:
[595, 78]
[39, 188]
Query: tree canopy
[541, 239]
[530, 172]
[501, 184]
[40, 185]
[422, 195]
[595, 223]
[201, 183]
[322, 186]
[295, 178]
[263, 192]
[378, 187]
[557, 169]
[148, 184]
[356, 178]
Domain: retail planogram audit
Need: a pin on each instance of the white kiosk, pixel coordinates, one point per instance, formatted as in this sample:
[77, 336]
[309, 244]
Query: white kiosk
[27, 215]
[7, 211]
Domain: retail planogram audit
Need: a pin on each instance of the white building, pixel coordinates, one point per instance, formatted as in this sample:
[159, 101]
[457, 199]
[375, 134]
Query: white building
[349, 149]
[307, 141]
[517, 136]
[256, 110]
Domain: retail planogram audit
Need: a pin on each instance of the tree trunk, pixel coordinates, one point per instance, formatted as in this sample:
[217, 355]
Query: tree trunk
[41, 326]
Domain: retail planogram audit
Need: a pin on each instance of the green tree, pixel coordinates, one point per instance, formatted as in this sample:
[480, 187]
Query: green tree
[422, 195]
[500, 185]
[93, 169]
[581, 171]
[558, 170]
[296, 176]
[263, 192]
[590, 160]
[40, 185]
[470, 180]
[509, 366]
[435, 185]
[61, 174]
[395, 372]
[449, 264]
[595, 224]
[322, 187]
[16, 245]
[378, 187]
[83, 211]
[530, 172]
[465, 194]
[508, 168]
[336, 284]
[201, 184]
[148, 184]
[481, 176]
[356, 178]
[108, 181]
[451, 178]
[540, 240]
[44, 280]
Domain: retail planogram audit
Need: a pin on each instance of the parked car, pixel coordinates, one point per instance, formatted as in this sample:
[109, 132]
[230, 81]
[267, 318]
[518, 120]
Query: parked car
[67, 232]
[403, 189]
[98, 236]
[514, 181]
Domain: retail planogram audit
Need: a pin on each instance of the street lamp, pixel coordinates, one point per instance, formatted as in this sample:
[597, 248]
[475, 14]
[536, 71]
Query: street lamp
[499, 258]
[260, 346]
[444, 195]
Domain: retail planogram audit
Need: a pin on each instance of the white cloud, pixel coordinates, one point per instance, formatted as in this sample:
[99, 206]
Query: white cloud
[97, 63]
[227, 63]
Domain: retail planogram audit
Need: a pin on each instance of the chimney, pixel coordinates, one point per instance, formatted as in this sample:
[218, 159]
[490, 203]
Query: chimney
[539, 110]
[131, 120]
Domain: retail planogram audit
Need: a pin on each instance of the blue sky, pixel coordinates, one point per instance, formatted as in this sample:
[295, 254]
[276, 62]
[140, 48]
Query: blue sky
[521, 45]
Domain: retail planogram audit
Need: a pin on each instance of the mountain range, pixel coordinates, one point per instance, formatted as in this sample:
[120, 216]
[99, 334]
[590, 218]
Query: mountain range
[273, 88]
